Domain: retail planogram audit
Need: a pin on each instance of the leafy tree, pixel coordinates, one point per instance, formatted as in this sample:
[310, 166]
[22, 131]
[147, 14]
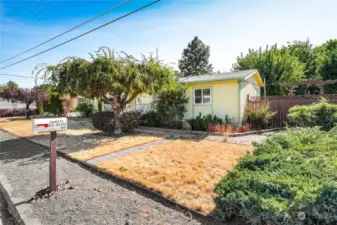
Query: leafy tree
[2, 88]
[53, 105]
[25, 95]
[172, 102]
[328, 71]
[9, 84]
[326, 57]
[304, 51]
[195, 59]
[117, 79]
[274, 65]
[12, 84]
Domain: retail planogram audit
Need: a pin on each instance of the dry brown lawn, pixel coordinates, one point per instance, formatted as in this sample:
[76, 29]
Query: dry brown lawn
[181, 170]
[111, 145]
[23, 128]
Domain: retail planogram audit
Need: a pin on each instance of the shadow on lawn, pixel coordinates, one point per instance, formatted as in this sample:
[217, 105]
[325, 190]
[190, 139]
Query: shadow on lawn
[68, 143]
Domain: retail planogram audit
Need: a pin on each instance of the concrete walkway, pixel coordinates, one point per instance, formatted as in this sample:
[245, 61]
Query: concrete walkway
[127, 151]
[82, 197]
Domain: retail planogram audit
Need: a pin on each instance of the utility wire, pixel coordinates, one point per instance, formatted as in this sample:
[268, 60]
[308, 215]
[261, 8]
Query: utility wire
[14, 75]
[67, 31]
[81, 35]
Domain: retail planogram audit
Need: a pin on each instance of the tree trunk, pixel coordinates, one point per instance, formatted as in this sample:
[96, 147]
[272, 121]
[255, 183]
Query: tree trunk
[118, 124]
[117, 109]
[27, 111]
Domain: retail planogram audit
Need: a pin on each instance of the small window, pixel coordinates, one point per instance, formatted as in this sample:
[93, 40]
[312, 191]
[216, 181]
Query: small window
[202, 96]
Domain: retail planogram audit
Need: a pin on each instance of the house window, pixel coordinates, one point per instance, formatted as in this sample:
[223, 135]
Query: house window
[202, 96]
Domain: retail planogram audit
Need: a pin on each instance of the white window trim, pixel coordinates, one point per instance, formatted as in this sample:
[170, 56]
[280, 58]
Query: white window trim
[202, 93]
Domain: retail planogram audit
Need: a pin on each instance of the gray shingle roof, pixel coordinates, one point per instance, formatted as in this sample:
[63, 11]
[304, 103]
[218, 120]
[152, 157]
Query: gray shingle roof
[238, 75]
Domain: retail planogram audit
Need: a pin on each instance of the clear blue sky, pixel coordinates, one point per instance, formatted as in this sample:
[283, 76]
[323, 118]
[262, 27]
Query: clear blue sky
[228, 26]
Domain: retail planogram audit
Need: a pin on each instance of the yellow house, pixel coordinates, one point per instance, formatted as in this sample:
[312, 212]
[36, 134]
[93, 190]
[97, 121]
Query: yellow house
[221, 94]
[216, 94]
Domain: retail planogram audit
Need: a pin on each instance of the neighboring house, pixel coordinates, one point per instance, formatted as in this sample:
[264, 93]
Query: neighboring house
[216, 94]
[221, 94]
[143, 103]
[4, 104]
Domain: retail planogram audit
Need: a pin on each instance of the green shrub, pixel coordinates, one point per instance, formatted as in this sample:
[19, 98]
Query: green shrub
[85, 108]
[291, 179]
[130, 120]
[151, 119]
[104, 121]
[201, 122]
[259, 116]
[171, 103]
[320, 114]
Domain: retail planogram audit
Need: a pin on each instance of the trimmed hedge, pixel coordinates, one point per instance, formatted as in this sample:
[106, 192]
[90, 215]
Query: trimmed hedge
[320, 114]
[104, 121]
[130, 120]
[291, 179]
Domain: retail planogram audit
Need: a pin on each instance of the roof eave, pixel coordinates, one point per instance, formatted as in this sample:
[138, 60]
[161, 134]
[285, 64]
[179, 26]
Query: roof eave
[260, 81]
[208, 81]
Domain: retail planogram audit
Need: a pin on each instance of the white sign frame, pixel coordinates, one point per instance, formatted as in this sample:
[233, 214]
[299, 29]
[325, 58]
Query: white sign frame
[49, 124]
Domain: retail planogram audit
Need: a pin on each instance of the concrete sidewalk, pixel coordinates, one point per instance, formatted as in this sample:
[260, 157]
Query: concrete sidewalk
[83, 198]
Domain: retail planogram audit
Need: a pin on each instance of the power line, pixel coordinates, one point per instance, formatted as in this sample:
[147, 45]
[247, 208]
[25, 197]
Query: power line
[67, 31]
[14, 75]
[81, 35]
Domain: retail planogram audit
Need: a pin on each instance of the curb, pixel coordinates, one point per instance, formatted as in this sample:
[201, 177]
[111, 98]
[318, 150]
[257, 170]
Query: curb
[156, 196]
[11, 206]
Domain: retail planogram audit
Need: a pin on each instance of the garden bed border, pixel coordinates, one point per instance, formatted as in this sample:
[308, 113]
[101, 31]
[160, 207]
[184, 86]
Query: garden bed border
[196, 132]
[154, 195]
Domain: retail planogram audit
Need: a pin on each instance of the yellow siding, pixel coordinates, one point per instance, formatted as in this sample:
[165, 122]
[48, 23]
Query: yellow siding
[225, 100]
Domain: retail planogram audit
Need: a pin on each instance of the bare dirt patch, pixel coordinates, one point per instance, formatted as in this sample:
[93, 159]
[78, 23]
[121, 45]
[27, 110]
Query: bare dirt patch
[182, 170]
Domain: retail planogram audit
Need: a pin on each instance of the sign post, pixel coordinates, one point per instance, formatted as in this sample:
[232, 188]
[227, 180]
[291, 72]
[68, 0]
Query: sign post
[51, 125]
[52, 162]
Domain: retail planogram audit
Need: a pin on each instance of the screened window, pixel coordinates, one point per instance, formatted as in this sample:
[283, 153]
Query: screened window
[202, 96]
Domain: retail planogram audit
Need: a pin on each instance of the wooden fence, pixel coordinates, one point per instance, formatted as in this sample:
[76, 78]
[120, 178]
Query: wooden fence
[282, 104]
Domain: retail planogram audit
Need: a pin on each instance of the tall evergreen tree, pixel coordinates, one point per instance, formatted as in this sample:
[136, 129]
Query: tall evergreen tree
[195, 59]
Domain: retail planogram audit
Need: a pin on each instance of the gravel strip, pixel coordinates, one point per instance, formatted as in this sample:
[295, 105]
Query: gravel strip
[86, 199]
